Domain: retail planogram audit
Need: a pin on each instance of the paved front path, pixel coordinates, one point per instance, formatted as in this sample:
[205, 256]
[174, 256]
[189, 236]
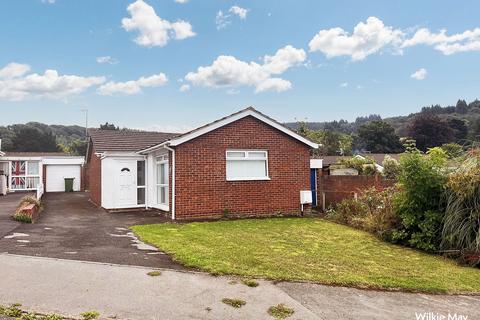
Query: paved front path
[126, 292]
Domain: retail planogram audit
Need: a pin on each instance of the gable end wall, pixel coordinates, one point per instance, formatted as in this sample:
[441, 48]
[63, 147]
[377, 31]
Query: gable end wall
[202, 190]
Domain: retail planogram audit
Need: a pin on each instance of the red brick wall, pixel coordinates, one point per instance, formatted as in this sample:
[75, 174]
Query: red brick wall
[337, 188]
[93, 173]
[202, 190]
[44, 177]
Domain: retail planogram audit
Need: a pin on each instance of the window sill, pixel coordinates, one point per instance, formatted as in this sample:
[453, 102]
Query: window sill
[248, 179]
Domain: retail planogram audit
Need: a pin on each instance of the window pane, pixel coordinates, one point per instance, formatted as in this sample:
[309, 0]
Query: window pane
[18, 168]
[162, 195]
[33, 168]
[236, 154]
[246, 169]
[141, 196]
[257, 154]
[140, 173]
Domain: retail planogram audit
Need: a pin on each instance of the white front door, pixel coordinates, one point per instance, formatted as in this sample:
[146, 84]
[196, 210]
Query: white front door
[127, 192]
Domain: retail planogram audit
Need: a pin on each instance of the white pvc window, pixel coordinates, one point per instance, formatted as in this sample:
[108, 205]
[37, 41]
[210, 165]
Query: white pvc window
[25, 175]
[162, 181]
[247, 165]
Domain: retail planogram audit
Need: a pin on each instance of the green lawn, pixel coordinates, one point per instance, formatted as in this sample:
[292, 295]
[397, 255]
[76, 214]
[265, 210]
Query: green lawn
[307, 249]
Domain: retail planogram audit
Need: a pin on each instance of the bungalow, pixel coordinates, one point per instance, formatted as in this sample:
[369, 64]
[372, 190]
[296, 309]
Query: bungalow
[30, 171]
[245, 164]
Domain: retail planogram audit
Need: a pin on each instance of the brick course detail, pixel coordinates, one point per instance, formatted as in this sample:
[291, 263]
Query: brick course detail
[93, 172]
[337, 188]
[202, 190]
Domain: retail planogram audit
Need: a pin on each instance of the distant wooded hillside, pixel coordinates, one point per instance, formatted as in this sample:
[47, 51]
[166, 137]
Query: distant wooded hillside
[469, 112]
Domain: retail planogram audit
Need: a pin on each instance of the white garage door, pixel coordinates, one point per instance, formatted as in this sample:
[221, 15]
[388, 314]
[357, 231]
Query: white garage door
[56, 175]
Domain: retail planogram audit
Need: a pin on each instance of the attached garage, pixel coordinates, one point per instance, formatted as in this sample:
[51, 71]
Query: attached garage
[59, 169]
[56, 175]
[33, 171]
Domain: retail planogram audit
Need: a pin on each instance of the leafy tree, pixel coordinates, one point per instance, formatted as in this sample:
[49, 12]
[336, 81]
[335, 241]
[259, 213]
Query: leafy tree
[452, 150]
[430, 131]
[331, 142]
[475, 130]
[459, 127]
[77, 148]
[7, 136]
[461, 107]
[391, 168]
[29, 139]
[419, 204]
[379, 137]
[109, 126]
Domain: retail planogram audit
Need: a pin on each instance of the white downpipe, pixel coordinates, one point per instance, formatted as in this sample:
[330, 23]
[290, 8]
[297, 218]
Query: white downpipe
[173, 181]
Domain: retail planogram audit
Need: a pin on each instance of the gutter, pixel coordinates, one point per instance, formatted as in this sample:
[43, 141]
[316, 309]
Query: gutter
[173, 180]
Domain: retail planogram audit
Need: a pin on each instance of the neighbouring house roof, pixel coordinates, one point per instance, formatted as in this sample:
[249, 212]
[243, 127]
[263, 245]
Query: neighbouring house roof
[126, 140]
[377, 157]
[250, 111]
[34, 154]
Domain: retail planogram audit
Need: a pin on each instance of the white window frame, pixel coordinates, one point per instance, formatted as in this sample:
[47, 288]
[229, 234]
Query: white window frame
[144, 186]
[247, 158]
[28, 177]
[162, 160]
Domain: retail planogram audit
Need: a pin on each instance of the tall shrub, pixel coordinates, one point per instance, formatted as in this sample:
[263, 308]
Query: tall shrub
[461, 229]
[419, 204]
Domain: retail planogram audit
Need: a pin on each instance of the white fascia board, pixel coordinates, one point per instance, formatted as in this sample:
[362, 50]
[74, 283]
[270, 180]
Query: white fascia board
[221, 123]
[64, 160]
[120, 155]
[22, 158]
[154, 148]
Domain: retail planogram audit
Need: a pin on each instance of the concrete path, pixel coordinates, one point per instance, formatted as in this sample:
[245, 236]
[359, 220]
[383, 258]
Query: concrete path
[126, 292]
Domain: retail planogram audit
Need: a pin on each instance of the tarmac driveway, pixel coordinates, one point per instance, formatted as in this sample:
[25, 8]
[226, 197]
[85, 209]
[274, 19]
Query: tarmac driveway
[8, 204]
[71, 227]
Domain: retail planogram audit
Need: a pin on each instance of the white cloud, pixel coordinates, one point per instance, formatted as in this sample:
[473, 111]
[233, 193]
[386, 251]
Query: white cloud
[107, 59]
[366, 39]
[420, 74]
[16, 84]
[184, 88]
[181, 1]
[48, 1]
[222, 19]
[228, 71]
[14, 70]
[133, 86]
[344, 84]
[468, 40]
[239, 11]
[153, 30]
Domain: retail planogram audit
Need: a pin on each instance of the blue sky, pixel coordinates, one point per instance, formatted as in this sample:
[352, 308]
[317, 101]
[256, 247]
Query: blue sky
[287, 58]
